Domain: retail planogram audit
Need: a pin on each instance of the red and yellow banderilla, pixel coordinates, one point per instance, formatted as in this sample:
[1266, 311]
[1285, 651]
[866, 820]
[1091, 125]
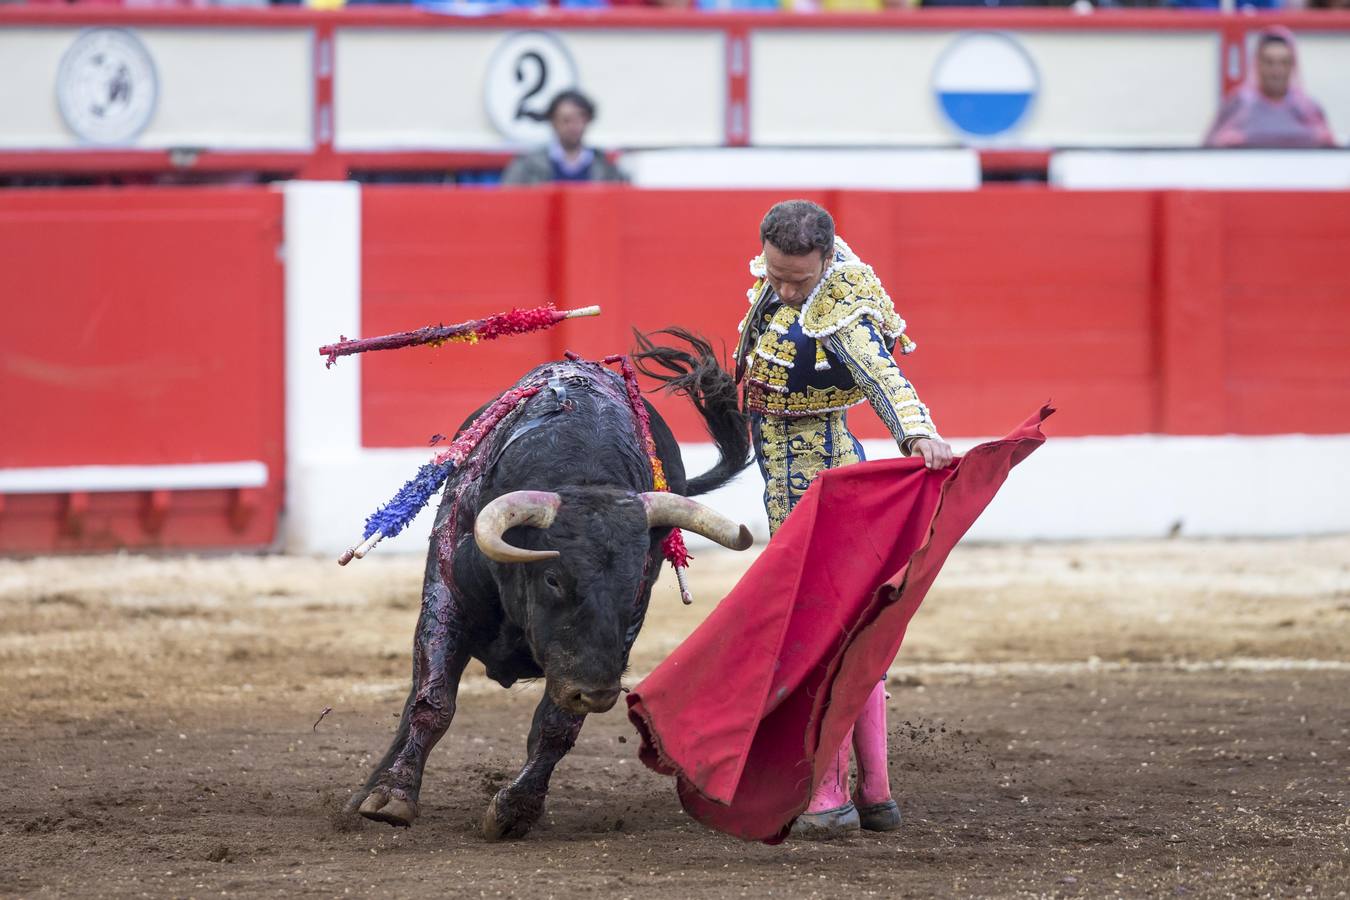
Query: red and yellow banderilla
[517, 321]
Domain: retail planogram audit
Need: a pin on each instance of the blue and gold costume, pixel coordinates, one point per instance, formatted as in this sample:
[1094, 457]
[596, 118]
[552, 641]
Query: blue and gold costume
[804, 367]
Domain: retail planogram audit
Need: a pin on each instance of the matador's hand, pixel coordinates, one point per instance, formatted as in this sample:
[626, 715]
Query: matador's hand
[936, 453]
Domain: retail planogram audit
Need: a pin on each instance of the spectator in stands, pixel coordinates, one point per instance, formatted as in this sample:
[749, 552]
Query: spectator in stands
[1270, 108]
[566, 158]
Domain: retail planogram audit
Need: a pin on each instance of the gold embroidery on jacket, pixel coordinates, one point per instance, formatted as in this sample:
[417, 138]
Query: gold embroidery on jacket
[812, 401]
[880, 379]
[848, 293]
[774, 355]
[851, 292]
[793, 452]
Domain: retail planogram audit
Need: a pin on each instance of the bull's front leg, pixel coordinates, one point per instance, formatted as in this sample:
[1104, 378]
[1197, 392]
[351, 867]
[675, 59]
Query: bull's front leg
[439, 658]
[518, 806]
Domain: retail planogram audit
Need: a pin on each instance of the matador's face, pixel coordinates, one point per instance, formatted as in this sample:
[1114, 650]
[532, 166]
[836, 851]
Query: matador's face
[792, 278]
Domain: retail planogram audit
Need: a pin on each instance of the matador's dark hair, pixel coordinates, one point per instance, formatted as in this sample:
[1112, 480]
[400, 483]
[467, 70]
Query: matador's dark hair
[796, 227]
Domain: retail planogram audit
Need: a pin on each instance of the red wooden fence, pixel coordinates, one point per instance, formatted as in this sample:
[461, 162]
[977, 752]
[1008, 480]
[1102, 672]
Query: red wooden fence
[144, 327]
[1181, 313]
[141, 328]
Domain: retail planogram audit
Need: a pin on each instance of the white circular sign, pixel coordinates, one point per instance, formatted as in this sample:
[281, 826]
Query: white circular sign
[985, 84]
[106, 86]
[527, 70]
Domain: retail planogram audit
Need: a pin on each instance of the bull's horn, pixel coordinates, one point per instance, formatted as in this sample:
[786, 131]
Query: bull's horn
[667, 509]
[535, 508]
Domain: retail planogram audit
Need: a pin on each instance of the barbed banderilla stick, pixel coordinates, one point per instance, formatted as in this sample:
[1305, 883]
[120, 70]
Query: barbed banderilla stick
[517, 321]
[402, 508]
[360, 550]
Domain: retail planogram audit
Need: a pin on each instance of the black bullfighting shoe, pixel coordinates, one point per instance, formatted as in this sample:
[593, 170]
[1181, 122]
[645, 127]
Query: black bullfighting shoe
[883, 816]
[830, 823]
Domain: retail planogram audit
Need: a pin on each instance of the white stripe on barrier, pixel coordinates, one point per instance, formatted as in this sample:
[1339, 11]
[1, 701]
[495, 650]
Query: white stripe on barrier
[1134, 486]
[1073, 488]
[1241, 170]
[185, 477]
[745, 168]
[323, 406]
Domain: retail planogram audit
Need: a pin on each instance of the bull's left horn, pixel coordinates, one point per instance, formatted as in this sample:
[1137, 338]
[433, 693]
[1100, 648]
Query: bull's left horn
[535, 508]
[665, 509]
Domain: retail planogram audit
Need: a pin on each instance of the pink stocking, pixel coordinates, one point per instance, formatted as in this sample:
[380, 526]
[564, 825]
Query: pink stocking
[832, 792]
[869, 743]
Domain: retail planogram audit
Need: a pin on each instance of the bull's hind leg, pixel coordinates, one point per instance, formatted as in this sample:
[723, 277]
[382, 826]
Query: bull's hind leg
[439, 657]
[516, 807]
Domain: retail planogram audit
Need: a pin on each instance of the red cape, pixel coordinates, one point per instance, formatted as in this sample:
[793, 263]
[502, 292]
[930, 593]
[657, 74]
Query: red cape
[747, 712]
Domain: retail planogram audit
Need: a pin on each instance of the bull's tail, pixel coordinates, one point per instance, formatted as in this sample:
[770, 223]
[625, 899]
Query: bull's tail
[697, 374]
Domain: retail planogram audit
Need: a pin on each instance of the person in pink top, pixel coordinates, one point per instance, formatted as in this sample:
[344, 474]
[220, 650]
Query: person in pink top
[1270, 107]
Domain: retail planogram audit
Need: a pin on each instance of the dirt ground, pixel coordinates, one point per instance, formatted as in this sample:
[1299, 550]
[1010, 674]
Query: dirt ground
[1074, 720]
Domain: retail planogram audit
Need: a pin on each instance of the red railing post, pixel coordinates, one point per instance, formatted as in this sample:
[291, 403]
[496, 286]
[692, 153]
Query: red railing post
[1232, 56]
[1192, 344]
[587, 263]
[324, 164]
[738, 86]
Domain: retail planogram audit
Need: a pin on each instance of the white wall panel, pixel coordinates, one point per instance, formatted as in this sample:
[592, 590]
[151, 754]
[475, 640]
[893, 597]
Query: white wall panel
[1325, 61]
[226, 88]
[1232, 170]
[654, 88]
[855, 87]
[28, 104]
[401, 88]
[745, 168]
[232, 88]
[832, 88]
[425, 89]
[412, 89]
[1133, 89]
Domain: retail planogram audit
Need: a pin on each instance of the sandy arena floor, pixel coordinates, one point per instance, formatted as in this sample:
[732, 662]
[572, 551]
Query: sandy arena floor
[1077, 720]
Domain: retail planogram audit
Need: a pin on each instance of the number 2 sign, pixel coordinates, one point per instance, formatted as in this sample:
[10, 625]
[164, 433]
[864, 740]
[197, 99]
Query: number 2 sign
[527, 70]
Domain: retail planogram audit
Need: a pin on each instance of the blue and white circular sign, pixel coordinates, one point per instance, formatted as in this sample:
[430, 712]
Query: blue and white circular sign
[985, 84]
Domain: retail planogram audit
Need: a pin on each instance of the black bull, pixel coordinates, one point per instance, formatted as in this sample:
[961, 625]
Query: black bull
[543, 555]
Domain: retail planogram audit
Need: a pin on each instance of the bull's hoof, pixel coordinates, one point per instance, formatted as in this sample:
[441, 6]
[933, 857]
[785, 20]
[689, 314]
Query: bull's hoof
[511, 816]
[385, 805]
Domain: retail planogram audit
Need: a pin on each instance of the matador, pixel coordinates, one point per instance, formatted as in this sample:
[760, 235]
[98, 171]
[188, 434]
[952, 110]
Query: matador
[818, 340]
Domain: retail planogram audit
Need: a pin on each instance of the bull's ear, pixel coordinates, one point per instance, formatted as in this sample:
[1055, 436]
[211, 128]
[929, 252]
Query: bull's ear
[533, 508]
[667, 510]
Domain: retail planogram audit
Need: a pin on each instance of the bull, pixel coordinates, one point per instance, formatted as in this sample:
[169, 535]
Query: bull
[544, 551]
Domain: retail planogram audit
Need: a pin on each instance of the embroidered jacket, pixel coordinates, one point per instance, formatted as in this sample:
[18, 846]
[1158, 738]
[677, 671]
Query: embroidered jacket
[832, 353]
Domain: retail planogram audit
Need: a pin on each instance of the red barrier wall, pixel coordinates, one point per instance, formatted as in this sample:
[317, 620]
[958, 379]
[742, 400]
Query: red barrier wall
[144, 327]
[1184, 313]
[433, 255]
[141, 328]
[1285, 323]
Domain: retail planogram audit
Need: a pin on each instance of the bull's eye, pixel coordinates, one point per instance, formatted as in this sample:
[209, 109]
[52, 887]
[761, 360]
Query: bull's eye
[552, 581]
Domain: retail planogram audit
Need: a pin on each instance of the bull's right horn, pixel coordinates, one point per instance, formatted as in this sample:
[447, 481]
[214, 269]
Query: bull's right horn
[535, 508]
[667, 509]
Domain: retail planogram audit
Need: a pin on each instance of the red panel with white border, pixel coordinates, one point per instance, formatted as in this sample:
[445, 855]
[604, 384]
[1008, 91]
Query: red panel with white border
[140, 369]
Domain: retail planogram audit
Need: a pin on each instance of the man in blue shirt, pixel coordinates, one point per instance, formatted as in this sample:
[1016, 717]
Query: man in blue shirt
[566, 158]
